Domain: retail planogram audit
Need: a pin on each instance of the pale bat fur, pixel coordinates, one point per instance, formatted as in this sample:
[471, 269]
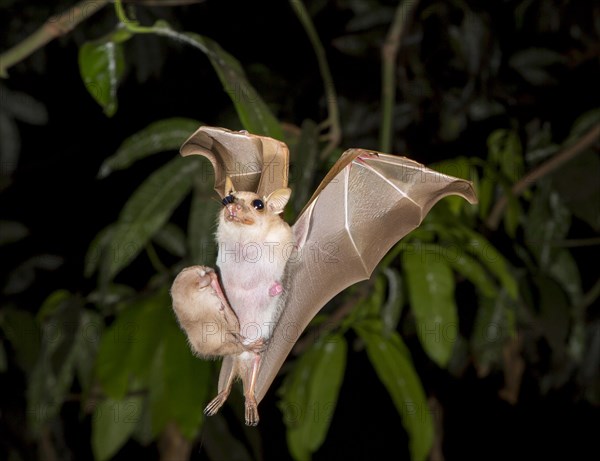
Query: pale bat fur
[254, 247]
[203, 312]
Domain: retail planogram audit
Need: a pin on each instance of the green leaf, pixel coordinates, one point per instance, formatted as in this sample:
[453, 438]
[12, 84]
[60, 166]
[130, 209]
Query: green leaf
[465, 265]
[310, 393]
[112, 361]
[391, 360]
[11, 232]
[494, 325]
[187, 380]
[127, 348]
[474, 35]
[179, 382]
[431, 292]
[513, 214]
[505, 166]
[485, 194]
[554, 313]
[392, 308]
[147, 210]
[158, 397]
[24, 274]
[548, 221]
[91, 329]
[582, 200]
[113, 422]
[506, 152]
[583, 124]
[23, 333]
[143, 429]
[255, 115]
[108, 298]
[23, 107]
[64, 334]
[172, 239]
[531, 63]
[51, 304]
[102, 64]
[565, 271]
[99, 245]
[492, 260]
[202, 223]
[161, 136]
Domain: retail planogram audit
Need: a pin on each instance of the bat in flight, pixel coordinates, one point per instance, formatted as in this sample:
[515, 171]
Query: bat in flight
[274, 278]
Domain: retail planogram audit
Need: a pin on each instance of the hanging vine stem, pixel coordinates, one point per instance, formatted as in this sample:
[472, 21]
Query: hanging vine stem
[587, 140]
[56, 26]
[332, 123]
[63, 23]
[389, 55]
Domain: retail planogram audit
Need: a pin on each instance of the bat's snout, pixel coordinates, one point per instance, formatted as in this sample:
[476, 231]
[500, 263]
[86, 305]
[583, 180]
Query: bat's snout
[232, 210]
[236, 212]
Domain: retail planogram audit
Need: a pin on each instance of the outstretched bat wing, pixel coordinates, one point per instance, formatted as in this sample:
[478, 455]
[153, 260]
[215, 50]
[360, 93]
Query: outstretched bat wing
[254, 163]
[364, 206]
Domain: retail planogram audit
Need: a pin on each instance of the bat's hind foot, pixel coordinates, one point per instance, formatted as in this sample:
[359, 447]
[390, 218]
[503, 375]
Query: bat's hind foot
[216, 403]
[251, 411]
[258, 346]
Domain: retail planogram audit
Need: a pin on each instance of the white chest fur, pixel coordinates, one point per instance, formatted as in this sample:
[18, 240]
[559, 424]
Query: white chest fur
[251, 260]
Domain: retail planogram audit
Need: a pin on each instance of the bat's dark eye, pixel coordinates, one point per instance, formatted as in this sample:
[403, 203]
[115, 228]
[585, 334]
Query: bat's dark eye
[258, 204]
[227, 200]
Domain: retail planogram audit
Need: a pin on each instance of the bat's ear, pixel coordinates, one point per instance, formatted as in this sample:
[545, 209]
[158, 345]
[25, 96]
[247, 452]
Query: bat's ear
[229, 189]
[277, 199]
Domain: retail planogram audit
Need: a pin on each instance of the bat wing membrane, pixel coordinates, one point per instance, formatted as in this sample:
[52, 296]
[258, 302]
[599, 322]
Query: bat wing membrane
[363, 207]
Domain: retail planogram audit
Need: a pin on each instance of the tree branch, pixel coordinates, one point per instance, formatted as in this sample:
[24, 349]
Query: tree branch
[333, 120]
[54, 27]
[544, 169]
[389, 55]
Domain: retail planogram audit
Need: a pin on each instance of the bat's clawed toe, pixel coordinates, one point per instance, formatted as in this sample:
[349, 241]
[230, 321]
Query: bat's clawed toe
[216, 403]
[204, 275]
[258, 346]
[251, 411]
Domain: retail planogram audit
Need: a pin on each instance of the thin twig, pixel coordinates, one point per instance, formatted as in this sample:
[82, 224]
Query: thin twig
[164, 2]
[544, 169]
[54, 27]
[569, 243]
[61, 24]
[389, 55]
[333, 119]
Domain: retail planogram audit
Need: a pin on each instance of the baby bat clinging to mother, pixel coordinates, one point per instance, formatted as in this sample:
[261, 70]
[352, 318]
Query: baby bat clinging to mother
[254, 246]
[277, 278]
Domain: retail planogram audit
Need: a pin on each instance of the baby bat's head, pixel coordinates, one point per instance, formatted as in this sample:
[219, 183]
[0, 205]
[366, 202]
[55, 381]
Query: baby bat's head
[248, 208]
